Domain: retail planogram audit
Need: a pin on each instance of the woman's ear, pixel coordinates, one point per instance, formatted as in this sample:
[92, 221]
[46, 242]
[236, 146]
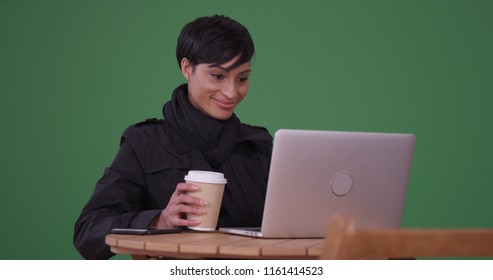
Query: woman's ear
[186, 68]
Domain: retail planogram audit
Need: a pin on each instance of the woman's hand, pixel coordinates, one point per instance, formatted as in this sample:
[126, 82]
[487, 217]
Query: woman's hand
[174, 215]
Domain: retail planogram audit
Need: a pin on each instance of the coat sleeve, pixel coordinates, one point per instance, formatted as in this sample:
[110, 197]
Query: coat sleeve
[115, 203]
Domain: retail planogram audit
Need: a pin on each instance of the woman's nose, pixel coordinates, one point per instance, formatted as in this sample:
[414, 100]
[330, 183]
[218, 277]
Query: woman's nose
[229, 90]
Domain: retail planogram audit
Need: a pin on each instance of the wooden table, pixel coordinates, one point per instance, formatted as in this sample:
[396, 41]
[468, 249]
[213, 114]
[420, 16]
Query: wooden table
[192, 244]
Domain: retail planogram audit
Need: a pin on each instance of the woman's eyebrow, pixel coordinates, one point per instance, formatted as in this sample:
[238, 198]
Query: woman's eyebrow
[227, 70]
[246, 71]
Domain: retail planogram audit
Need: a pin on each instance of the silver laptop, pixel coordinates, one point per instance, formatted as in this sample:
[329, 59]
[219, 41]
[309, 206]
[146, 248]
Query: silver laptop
[315, 174]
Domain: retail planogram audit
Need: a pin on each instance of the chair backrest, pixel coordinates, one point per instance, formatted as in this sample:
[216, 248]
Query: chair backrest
[345, 241]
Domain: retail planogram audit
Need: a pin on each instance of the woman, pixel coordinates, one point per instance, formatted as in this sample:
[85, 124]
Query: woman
[144, 185]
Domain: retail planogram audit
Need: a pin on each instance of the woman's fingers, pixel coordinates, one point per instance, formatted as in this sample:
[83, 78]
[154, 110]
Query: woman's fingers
[190, 200]
[184, 187]
[181, 203]
[181, 195]
[184, 222]
[182, 208]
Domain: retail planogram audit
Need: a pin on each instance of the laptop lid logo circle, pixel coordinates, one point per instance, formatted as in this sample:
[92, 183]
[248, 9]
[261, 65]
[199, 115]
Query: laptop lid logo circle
[342, 183]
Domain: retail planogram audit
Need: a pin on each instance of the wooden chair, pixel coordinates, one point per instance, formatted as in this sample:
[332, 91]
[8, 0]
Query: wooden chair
[344, 241]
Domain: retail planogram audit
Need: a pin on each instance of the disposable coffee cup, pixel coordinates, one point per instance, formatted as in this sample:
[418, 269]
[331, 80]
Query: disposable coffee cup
[211, 188]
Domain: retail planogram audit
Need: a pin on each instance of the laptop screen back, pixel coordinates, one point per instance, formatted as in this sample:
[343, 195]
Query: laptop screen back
[315, 174]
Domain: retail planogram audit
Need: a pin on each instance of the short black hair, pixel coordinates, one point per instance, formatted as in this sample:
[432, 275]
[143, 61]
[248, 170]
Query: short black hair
[214, 40]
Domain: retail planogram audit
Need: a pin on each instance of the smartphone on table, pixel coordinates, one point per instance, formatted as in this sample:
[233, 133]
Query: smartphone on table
[145, 231]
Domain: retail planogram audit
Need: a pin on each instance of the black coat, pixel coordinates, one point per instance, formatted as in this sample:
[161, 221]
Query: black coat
[143, 176]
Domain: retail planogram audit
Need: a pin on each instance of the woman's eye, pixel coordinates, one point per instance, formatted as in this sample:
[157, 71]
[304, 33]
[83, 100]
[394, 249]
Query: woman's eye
[242, 79]
[217, 76]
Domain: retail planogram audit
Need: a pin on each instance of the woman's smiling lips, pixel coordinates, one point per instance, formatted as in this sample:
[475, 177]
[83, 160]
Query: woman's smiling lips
[223, 104]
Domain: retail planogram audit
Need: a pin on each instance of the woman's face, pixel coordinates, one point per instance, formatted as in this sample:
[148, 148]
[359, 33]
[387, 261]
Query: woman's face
[216, 91]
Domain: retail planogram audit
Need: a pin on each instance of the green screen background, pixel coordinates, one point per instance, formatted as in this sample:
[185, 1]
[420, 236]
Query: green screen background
[75, 74]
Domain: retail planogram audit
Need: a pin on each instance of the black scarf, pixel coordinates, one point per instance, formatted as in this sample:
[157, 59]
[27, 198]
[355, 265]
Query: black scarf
[239, 151]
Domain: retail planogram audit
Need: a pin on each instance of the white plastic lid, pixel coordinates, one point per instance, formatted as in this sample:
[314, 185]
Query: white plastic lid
[205, 177]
